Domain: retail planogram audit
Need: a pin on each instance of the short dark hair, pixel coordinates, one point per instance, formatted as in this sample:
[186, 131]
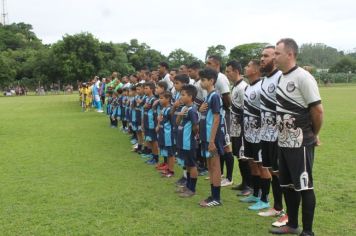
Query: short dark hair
[235, 65]
[133, 88]
[150, 85]
[255, 62]
[191, 90]
[164, 64]
[208, 74]
[162, 84]
[167, 95]
[194, 65]
[183, 78]
[216, 58]
[291, 44]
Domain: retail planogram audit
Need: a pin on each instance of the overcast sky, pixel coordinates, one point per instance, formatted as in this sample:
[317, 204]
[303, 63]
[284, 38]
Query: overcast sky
[192, 25]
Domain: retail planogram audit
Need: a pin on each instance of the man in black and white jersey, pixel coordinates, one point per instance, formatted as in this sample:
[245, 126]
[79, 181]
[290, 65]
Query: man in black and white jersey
[252, 138]
[222, 86]
[299, 119]
[269, 131]
[233, 72]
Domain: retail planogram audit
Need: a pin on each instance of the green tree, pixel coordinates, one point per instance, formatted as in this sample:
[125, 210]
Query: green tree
[77, 57]
[318, 55]
[345, 65]
[179, 57]
[246, 52]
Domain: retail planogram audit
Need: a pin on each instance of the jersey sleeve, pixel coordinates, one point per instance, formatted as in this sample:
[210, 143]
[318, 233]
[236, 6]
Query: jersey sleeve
[309, 89]
[193, 116]
[222, 85]
[215, 104]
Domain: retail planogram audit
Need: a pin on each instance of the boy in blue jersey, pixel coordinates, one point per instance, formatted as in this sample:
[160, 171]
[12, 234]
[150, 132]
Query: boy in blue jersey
[211, 134]
[139, 114]
[188, 126]
[161, 88]
[149, 123]
[132, 116]
[165, 135]
[122, 108]
[179, 82]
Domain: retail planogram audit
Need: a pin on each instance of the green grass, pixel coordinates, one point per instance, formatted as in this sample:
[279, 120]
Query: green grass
[64, 172]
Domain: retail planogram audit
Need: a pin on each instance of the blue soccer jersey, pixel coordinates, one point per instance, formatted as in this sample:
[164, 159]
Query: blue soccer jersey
[185, 137]
[165, 135]
[133, 110]
[148, 117]
[207, 118]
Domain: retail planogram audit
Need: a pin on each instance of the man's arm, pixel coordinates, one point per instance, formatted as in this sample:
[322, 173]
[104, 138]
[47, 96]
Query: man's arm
[316, 115]
[226, 98]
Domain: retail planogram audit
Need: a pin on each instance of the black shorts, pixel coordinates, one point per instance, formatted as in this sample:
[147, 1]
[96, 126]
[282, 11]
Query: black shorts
[270, 155]
[189, 157]
[253, 151]
[237, 146]
[295, 167]
[150, 135]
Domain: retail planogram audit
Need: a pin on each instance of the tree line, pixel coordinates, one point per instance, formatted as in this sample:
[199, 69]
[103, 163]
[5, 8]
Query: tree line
[25, 60]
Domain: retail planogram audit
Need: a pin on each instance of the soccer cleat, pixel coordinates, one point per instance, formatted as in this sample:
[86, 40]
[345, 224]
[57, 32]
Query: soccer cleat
[207, 178]
[270, 212]
[181, 189]
[245, 192]
[260, 205]
[210, 202]
[239, 187]
[226, 182]
[162, 166]
[168, 174]
[203, 173]
[282, 221]
[250, 199]
[284, 230]
[187, 193]
[304, 233]
[181, 182]
[152, 161]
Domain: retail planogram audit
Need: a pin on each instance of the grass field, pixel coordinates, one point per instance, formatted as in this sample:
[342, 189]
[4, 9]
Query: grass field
[65, 172]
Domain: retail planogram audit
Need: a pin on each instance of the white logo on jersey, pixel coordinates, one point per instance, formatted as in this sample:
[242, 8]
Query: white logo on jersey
[289, 134]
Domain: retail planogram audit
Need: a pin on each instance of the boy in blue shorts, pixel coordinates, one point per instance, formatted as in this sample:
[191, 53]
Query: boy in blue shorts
[149, 123]
[165, 135]
[161, 88]
[139, 102]
[132, 116]
[188, 126]
[211, 134]
[179, 82]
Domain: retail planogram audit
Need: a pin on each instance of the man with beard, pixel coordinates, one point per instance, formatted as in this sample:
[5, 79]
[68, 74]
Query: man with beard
[269, 132]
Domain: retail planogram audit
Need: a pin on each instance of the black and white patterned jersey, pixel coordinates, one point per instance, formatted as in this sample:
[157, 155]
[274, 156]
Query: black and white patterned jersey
[252, 112]
[237, 108]
[269, 129]
[297, 91]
